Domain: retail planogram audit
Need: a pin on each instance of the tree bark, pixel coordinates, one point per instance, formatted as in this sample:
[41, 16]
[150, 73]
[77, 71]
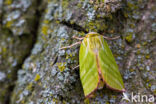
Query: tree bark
[45, 73]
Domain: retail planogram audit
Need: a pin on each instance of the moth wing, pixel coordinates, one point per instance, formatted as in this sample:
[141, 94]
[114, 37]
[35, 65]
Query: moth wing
[88, 70]
[109, 68]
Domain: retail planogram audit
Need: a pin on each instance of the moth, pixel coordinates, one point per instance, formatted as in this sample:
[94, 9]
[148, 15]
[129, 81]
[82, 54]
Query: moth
[97, 64]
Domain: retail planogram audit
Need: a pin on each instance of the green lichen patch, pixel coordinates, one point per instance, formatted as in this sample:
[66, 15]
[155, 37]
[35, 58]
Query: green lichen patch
[61, 66]
[37, 77]
[129, 38]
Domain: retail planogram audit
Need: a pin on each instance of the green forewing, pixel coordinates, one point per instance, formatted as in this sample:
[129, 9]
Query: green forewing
[109, 68]
[88, 70]
[96, 61]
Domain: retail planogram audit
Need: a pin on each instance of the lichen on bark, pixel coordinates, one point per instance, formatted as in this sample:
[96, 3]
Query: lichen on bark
[46, 75]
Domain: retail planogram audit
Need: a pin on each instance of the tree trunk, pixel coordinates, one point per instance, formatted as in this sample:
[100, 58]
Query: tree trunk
[34, 71]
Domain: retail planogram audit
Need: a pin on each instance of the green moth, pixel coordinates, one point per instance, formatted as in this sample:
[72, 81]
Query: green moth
[97, 65]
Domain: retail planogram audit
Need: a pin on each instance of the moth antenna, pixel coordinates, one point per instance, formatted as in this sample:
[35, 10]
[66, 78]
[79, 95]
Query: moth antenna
[70, 45]
[108, 38]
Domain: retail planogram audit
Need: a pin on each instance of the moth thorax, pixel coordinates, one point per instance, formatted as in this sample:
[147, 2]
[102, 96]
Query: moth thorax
[92, 34]
[95, 44]
[95, 50]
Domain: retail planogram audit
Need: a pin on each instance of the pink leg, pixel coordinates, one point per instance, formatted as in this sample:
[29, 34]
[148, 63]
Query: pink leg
[77, 38]
[75, 67]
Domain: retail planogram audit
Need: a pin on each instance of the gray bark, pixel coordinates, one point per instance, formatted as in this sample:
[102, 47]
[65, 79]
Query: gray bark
[34, 71]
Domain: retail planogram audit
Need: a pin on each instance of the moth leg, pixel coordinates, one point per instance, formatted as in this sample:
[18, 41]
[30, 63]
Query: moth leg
[75, 67]
[71, 45]
[75, 37]
[108, 38]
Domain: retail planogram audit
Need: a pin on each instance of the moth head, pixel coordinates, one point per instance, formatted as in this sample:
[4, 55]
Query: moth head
[91, 34]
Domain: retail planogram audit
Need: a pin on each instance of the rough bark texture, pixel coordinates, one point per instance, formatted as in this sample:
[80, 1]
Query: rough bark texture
[34, 71]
